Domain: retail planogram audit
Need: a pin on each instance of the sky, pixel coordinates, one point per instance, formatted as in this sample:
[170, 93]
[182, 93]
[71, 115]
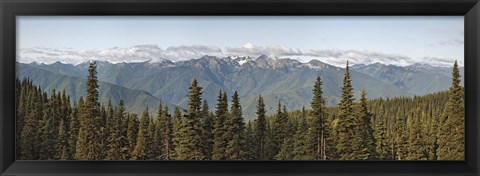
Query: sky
[437, 40]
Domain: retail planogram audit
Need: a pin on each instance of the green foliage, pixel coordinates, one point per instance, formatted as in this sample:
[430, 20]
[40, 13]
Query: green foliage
[451, 134]
[89, 142]
[220, 128]
[115, 138]
[190, 135]
[207, 131]
[260, 131]
[235, 133]
[428, 127]
[347, 123]
[141, 150]
[365, 141]
[132, 132]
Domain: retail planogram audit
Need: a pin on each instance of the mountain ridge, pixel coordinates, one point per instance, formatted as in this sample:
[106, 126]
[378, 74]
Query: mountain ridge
[277, 79]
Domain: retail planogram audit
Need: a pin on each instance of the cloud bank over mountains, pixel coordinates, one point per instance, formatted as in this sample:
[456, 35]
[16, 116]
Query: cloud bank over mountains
[155, 53]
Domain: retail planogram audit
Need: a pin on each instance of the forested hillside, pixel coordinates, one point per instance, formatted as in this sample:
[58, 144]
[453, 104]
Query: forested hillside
[429, 127]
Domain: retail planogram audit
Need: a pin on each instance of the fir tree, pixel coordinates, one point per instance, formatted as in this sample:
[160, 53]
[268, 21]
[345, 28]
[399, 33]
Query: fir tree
[250, 142]
[89, 143]
[115, 133]
[319, 134]
[287, 146]
[279, 128]
[261, 130]
[177, 122]
[28, 134]
[366, 148]
[152, 154]
[62, 141]
[190, 144]
[451, 133]
[141, 150]
[132, 132]
[159, 132]
[219, 127]
[74, 127]
[381, 142]
[300, 149]
[346, 124]
[48, 131]
[207, 129]
[400, 138]
[416, 149]
[235, 131]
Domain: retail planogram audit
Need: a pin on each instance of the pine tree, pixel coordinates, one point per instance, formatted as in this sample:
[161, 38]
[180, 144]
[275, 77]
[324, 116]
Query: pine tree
[261, 130]
[416, 149]
[300, 149]
[115, 137]
[250, 142]
[451, 133]
[207, 129]
[62, 141]
[400, 139]
[381, 142]
[74, 127]
[141, 149]
[219, 127]
[132, 132]
[150, 150]
[177, 122]
[28, 134]
[366, 148]
[163, 134]
[109, 127]
[125, 148]
[190, 144]
[48, 132]
[279, 128]
[21, 113]
[346, 120]
[319, 134]
[235, 131]
[159, 132]
[89, 143]
[287, 147]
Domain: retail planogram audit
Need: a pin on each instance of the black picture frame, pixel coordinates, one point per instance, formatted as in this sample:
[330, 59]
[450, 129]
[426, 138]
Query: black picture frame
[9, 9]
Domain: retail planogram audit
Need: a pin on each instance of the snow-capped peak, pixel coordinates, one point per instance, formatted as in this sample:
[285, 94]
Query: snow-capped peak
[248, 45]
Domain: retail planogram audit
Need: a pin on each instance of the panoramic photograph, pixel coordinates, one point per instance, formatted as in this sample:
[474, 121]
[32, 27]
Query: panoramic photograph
[240, 88]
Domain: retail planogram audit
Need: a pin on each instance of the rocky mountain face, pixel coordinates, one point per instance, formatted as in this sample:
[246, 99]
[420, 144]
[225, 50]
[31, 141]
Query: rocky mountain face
[286, 80]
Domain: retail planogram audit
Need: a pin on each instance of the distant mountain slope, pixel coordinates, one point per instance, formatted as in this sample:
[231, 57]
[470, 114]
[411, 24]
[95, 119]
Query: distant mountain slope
[285, 80]
[135, 100]
[416, 79]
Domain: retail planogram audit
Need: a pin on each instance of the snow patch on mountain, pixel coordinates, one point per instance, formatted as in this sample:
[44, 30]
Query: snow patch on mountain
[242, 54]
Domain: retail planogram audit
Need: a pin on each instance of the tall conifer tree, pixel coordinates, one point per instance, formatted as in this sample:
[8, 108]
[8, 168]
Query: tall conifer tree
[235, 131]
[451, 143]
[89, 143]
[346, 120]
[261, 130]
[190, 144]
[220, 128]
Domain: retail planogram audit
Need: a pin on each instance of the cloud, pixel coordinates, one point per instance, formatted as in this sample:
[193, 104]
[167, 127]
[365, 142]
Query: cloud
[337, 57]
[154, 53]
[250, 49]
[137, 53]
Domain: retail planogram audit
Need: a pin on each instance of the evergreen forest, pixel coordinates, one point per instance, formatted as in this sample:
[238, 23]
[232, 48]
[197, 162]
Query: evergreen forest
[49, 126]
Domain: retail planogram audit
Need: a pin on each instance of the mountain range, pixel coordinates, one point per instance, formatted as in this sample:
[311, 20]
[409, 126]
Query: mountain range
[276, 79]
